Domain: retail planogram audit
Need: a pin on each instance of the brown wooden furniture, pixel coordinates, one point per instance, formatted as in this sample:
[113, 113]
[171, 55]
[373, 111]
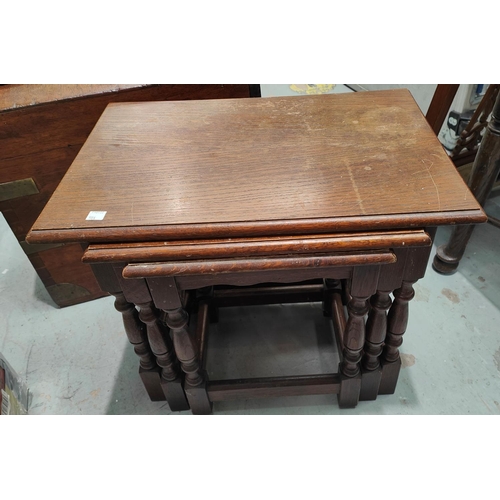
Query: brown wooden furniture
[468, 143]
[440, 105]
[42, 128]
[175, 198]
[484, 173]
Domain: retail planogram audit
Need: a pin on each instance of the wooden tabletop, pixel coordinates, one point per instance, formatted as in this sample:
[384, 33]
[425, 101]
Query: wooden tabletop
[243, 167]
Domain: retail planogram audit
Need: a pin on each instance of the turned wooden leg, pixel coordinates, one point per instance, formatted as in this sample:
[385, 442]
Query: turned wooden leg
[411, 266]
[482, 177]
[162, 348]
[448, 256]
[376, 330]
[136, 334]
[397, 323]
[167, 297]
[363, 285]
[354, 337]
[391, 277]
[149, 371]
[194, 382]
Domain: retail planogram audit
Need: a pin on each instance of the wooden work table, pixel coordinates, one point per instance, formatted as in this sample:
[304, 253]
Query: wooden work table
[172, 199]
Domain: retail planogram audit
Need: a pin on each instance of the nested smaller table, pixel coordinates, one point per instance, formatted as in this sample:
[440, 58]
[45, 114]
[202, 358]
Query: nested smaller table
[290, 199]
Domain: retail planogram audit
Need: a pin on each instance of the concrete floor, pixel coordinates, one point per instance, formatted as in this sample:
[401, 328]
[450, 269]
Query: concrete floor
[77, 360]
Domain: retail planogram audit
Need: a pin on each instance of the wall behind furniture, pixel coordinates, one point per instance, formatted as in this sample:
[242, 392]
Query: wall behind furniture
[422, 93]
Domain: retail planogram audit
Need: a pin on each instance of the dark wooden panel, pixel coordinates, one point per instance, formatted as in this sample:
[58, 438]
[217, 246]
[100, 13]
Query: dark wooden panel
[106, 277]
[245, 279]
[46, 168]
[135, 291]
[236, 161]
[13, 97]
[42, 128]
[68, 120]
[440, 105]
[284, 294]
[223, 390]
[164, 292]
[66, 278]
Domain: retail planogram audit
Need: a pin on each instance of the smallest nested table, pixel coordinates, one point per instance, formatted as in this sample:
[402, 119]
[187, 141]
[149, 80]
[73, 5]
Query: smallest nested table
[333, 198]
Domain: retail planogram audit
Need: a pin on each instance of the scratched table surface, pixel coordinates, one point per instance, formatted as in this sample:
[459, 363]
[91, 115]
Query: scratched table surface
[253, 166]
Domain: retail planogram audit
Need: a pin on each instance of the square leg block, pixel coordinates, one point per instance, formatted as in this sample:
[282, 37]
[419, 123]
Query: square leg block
[390, 373]
[350, 387]
[370, 383]
[174, 393]
[198, 399]
[151, 381]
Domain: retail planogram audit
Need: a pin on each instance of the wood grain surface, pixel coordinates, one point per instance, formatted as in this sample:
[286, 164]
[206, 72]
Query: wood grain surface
[242, 265]
[234, 247]
[20, 96]
[236, 162]
[42, 128]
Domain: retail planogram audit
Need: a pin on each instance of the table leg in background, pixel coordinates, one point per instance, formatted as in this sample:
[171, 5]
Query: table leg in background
[482, 178]
[363, 286]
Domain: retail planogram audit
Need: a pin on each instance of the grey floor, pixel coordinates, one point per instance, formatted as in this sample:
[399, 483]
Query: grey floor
[77, 360]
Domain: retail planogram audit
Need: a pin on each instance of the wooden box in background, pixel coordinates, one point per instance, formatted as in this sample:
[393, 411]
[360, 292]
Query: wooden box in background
[42, 128]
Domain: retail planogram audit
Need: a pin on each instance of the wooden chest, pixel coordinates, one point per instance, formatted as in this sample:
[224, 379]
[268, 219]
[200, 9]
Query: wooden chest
[42, 128]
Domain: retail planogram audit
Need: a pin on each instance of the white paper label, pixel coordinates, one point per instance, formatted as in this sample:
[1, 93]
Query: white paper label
[96, 215]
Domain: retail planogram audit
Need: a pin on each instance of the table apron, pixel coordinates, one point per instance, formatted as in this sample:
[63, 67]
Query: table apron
[222, 266]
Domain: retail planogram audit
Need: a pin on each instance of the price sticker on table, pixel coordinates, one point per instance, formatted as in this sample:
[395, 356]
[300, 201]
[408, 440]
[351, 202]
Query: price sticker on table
[95, 215]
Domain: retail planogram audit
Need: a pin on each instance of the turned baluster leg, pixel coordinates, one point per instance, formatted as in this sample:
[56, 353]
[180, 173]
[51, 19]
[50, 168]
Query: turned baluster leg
[482, 177]
[134, 328]
[166, 297]
[138, 292]
[363, 285]
[162, 348]
[415, 263]
[354, 336]
[398, 321]
[194, 382]
[136, 334]
[376, 329]
[390, 278]
[397, 324]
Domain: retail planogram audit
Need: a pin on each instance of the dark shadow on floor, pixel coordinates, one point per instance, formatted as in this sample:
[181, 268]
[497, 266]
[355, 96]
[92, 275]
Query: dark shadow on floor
[41, 293]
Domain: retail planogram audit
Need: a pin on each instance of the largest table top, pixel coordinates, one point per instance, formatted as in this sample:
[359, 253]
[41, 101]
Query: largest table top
[247, 167]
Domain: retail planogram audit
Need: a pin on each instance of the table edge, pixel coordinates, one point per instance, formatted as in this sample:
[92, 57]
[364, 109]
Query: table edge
[255, 228]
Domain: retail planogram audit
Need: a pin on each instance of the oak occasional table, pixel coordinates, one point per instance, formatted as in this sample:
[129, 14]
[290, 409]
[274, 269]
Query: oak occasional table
[186, 204]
